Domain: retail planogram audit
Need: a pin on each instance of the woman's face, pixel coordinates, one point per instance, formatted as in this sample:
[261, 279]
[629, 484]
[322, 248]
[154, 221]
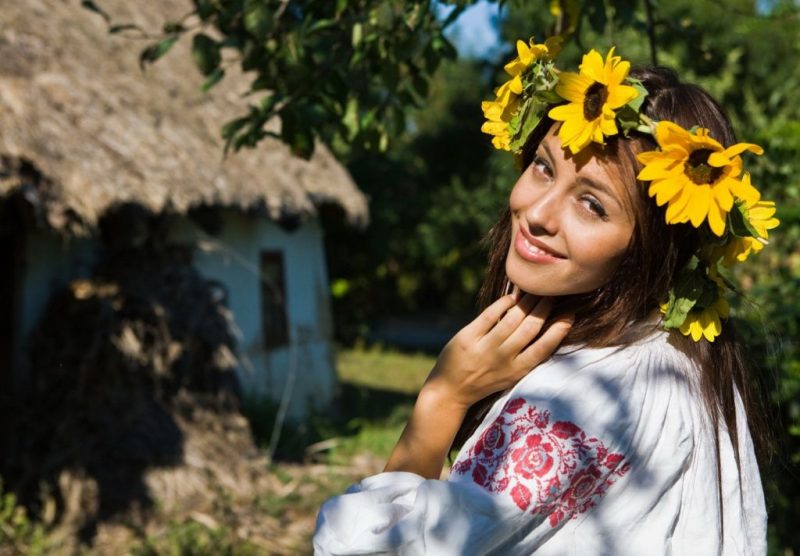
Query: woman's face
[571, 222]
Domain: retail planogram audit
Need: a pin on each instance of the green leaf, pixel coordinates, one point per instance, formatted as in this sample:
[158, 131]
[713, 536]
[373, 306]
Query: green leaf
[204, 8]
[636, 104]
[628, 119]
[213, 78]
[268, 103]
[296, 132]
[350, 119]
[550, 97]
[156, 51]
[205, 53]
[677, 310]
[420, 85]
[114, 29]
[300, 141]
[92, 7]
[171, 27]
[693, 289]
[257, 18]
[321, 25]
[232, 127]
[528, 116]
[368, 118]
[357, 34]
[738, 222]
[390, 75]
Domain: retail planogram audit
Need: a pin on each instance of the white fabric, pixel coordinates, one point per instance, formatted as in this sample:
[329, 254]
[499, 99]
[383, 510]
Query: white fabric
[597, 451]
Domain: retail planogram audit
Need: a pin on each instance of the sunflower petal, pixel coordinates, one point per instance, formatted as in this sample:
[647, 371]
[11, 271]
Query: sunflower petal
[515, 67]
[621, 95]
[572, 87]
[592, 66]
[698, 210]
[739, 148]
[716, 218]
[723, 197]
[524, 53]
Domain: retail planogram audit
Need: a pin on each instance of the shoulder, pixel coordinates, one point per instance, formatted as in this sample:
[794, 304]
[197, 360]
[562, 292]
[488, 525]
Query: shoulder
[619, 382]
[633, 398]
[654, 354]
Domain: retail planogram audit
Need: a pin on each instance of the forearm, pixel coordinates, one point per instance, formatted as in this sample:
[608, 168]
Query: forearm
[425, 441]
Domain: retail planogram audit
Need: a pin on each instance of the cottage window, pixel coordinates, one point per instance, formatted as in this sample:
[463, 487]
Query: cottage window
[275, 322]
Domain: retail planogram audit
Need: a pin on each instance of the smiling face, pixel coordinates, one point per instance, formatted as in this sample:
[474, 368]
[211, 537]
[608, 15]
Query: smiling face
[571, 222]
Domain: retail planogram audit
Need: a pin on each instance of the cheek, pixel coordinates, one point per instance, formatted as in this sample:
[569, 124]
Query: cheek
[520, 197]
[602, 253]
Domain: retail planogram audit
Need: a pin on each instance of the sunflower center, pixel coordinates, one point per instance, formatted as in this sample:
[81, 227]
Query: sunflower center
[596, 96]
[699, 170]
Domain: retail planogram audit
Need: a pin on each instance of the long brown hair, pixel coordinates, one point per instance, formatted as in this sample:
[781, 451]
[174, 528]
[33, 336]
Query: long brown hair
[656, 253]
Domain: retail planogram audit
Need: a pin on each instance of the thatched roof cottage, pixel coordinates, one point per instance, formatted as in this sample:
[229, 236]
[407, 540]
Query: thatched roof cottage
[89, 142]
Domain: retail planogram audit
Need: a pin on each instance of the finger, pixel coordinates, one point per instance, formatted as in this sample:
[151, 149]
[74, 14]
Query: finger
[529, 327]
[512, 319]
[544, 345]
[489, 317]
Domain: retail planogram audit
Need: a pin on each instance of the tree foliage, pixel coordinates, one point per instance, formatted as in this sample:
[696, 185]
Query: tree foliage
[337, 70]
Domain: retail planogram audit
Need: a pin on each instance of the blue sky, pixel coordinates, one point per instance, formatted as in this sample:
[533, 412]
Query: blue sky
[474, 33]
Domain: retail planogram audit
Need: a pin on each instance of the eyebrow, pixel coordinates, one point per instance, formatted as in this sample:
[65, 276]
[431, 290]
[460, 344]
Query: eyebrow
[599, 186]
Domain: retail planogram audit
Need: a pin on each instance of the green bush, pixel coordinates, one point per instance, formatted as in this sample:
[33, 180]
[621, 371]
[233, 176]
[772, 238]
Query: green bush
[19, 534]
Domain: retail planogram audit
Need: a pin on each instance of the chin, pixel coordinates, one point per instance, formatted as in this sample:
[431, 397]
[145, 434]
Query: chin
[545, 281]
[530, 281]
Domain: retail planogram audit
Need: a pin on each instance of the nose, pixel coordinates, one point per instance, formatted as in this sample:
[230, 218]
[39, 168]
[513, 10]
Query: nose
[543, 211]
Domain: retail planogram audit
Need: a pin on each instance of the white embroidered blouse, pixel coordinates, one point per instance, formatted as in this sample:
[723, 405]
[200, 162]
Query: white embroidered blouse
[597, 451]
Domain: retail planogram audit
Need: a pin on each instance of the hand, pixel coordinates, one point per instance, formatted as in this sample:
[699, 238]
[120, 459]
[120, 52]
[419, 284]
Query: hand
[492, 353]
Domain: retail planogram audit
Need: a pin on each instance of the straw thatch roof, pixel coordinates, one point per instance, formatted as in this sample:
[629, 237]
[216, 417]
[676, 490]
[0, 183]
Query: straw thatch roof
[83, 129]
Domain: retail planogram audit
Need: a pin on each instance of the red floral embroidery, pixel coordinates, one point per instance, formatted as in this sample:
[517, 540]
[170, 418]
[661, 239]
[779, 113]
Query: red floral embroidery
[549, 469]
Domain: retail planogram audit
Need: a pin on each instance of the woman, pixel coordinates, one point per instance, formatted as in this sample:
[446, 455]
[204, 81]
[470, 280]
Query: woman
[603, 406]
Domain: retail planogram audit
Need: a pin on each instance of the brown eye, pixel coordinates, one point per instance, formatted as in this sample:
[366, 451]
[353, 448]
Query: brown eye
[541, 166]
[595, 207]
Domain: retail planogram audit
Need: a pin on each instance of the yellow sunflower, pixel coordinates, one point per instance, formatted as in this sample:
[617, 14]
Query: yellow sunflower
[695, 176]
[760, 215]
[594, 95]
[527, 54]
[706, 323]
[499, 112]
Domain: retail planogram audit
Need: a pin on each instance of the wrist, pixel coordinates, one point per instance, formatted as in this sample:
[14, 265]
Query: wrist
[434, 398]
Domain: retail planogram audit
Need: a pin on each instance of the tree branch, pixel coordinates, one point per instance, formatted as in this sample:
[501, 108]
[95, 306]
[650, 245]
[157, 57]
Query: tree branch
[651, 31]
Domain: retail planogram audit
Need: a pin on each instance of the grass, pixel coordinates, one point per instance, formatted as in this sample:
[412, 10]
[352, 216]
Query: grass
[378, 387]
[378, 391]
[384, 369]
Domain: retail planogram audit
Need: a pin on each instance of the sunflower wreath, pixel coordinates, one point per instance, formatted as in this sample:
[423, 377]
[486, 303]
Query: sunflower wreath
[701, 182]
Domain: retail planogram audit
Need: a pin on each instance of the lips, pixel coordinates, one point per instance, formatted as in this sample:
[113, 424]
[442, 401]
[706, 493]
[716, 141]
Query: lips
[534, 250]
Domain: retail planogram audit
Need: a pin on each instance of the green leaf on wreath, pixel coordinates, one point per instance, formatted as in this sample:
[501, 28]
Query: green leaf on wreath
[636, 104]
[738, 222]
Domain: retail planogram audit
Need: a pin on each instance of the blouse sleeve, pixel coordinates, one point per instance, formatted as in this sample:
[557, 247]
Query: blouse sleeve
[546, 454]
